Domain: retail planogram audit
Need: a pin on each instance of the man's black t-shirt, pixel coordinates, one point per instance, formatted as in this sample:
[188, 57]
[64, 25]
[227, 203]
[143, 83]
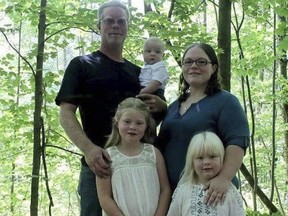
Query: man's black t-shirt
[97, 84]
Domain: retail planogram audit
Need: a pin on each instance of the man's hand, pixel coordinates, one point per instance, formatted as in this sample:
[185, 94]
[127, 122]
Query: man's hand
[155, 103]
[216, 190]
[98, 160]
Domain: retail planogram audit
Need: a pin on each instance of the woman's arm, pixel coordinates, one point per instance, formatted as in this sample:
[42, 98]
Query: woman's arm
[218, 186]
[165, 192]
[234, 130]
[104, 191]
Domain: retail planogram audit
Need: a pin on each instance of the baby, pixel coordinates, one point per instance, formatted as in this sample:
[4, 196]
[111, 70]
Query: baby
[154, 75]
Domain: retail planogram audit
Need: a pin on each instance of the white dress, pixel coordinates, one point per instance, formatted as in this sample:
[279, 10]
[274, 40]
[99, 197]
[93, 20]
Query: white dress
[188, 201]
[135, 182]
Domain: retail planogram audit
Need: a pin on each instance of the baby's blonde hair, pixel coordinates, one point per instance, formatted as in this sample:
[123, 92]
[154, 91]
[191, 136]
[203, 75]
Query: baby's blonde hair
[156, 40]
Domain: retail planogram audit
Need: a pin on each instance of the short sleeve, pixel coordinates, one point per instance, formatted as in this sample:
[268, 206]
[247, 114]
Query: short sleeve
[232, 123]
[70, 90]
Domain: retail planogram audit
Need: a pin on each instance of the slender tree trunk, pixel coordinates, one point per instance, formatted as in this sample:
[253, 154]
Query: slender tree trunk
[12, 205]
[283, 71]
[252, 178]
[205, 14]
[37, 111]
[272, 208]
[224, 42]
[274, 113]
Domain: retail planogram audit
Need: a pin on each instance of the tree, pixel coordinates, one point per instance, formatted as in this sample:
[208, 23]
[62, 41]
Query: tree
[38, 121]
[282, 48]
[224, 42]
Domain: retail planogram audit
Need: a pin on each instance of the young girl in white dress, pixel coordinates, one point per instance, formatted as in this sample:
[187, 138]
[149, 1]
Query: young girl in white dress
[203, 162]
[138, 185]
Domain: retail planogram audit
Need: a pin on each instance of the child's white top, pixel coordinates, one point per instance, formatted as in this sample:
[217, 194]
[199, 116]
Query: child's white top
[135, 182]
[156, 71]
[188, 200]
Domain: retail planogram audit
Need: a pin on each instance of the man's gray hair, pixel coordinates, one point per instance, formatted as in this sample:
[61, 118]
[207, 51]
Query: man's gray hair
[112, 3]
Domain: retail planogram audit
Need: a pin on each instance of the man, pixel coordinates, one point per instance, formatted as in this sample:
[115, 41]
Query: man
[96, 84]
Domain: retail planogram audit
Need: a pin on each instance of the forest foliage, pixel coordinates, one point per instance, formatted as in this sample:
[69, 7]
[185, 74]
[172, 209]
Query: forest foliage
[258, 78]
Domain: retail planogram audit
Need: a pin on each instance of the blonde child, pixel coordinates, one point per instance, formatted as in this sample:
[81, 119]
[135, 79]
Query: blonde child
[138, 184]
[203, 162]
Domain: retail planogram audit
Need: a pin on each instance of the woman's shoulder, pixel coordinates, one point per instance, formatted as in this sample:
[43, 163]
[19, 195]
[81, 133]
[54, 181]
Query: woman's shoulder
[223, 93]
[174, 104]
[224, 96]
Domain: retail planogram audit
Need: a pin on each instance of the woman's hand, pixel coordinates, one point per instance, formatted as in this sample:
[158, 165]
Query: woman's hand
[216, 190]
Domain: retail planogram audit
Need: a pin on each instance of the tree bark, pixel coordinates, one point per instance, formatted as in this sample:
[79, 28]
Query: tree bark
[224, 42]
[37, 111]
[283, 71]
[272, 208]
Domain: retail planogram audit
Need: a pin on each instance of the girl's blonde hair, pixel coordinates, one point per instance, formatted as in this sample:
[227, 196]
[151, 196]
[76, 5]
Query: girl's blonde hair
[202, 143]
[114, 138]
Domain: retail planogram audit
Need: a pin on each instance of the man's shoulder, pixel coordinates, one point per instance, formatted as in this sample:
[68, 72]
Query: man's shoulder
[130, 64]
[86, 57]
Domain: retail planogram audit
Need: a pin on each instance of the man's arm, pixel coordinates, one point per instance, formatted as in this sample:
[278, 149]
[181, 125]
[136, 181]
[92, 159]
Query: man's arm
[96, 157]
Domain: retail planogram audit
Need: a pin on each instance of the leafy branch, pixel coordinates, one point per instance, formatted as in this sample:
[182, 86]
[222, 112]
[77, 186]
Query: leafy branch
[22, 57]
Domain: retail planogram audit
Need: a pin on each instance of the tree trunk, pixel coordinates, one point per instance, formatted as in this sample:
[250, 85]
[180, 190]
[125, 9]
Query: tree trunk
[283, 71]
[224, 42]
[272, 208]
[37, 111]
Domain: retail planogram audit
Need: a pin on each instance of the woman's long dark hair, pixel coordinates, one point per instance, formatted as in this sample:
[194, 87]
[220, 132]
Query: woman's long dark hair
[214, 84]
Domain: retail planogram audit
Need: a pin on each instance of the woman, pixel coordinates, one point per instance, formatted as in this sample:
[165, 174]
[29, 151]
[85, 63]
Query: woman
[203, 105]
